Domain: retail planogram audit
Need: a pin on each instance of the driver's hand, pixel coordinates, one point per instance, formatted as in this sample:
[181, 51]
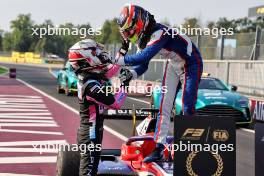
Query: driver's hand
[125, 76]
[124, 48]
[119, 59]
[105, 57]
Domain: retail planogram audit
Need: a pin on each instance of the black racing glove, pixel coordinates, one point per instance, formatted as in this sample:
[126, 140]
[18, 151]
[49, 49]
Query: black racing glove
[125, 76]
[105, 57]
[124, 48]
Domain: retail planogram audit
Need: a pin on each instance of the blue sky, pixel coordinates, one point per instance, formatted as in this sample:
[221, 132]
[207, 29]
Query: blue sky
[96, 11]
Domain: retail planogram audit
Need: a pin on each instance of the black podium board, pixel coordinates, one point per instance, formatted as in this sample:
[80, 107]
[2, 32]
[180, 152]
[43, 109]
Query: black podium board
[259, 149]
[204, 146]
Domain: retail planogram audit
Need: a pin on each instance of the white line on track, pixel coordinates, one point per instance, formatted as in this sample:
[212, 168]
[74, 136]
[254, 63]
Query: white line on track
[20, 96]
[28, 125]
[20, 99]
[31, 143]
[28, 159]
[30, 132]
[23, 106]
[12, 174]
[23, 110]
[142, 101]
[30, 121]
[110, 130]
[53, 74]
[23, 117]
[29, 150]
[22, 114]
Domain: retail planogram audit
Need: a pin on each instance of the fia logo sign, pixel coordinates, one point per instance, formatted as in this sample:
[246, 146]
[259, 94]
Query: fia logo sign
[220, 135]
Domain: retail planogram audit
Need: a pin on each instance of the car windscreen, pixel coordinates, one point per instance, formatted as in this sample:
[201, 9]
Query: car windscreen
[211, 83]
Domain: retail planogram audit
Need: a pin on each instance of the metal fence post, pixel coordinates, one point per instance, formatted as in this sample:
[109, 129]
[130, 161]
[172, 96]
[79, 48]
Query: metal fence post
[257, 44]
[227, 72]
[222, 47]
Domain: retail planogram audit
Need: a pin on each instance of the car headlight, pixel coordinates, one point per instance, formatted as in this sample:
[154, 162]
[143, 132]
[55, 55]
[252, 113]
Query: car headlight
[243, 102]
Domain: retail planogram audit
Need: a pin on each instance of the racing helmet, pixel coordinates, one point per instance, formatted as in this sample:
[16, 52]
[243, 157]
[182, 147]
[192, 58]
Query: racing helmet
[133, 21]
[88, 55]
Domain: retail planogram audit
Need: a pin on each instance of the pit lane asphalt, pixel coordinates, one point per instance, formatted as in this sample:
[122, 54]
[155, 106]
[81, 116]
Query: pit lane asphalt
[40, 78]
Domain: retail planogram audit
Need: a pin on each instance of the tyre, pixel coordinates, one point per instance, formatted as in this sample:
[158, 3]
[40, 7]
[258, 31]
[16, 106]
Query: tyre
[68, 163]
[59, 89]
[67, 91]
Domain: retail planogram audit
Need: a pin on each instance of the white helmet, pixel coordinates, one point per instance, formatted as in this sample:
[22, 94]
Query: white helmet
[88, 55]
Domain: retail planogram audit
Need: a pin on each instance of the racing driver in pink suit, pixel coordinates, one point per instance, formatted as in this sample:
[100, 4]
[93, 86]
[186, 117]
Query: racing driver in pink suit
[93, 68]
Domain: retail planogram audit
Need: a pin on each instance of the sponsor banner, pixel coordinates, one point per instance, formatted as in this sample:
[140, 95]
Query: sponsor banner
[256, 11]
[259, 146]
[204, 146]
[257, 110]
[27, 57]
[125, 113]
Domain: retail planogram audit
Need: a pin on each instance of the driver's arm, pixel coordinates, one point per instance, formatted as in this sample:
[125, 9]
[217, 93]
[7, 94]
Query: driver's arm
[112, 70]
[153, 47]
[99, 94]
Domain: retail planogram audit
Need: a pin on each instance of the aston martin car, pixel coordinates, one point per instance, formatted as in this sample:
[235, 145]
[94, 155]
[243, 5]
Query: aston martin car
[215, 98]
[67, 80]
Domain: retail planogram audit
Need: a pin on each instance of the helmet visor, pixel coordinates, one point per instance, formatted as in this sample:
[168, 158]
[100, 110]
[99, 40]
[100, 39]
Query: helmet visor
[128, 33]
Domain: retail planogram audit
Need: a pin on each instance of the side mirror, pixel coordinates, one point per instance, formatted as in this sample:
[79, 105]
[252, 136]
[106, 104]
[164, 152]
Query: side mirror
[234, 88]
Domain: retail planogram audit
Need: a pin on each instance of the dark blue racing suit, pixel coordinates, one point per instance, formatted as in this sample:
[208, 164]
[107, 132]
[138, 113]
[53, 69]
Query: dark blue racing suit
[184, 67]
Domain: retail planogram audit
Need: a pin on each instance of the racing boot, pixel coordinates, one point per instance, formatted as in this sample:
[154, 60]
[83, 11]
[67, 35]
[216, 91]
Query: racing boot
[156, 155]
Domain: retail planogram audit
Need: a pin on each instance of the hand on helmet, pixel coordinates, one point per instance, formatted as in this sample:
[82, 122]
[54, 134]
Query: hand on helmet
[125, 76]
[105, 57]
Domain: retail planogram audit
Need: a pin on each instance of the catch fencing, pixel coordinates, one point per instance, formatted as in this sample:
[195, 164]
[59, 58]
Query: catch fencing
[247, 75]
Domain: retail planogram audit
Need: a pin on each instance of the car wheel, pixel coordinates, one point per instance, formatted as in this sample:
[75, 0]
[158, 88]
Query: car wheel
[59, 89]
[68, 163]
[67, 91]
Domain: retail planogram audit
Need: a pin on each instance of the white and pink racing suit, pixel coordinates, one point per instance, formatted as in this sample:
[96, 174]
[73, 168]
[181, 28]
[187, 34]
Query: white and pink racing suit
[93, 100]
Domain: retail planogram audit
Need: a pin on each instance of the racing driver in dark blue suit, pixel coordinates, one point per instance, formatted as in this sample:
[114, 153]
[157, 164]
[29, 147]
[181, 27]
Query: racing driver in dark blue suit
[184, 65]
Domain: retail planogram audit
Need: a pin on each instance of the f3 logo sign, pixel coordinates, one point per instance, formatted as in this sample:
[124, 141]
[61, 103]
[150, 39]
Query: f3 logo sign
[193, 134]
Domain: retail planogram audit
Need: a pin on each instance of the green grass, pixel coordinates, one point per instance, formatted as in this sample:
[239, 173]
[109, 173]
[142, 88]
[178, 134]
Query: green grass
[2, 70]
